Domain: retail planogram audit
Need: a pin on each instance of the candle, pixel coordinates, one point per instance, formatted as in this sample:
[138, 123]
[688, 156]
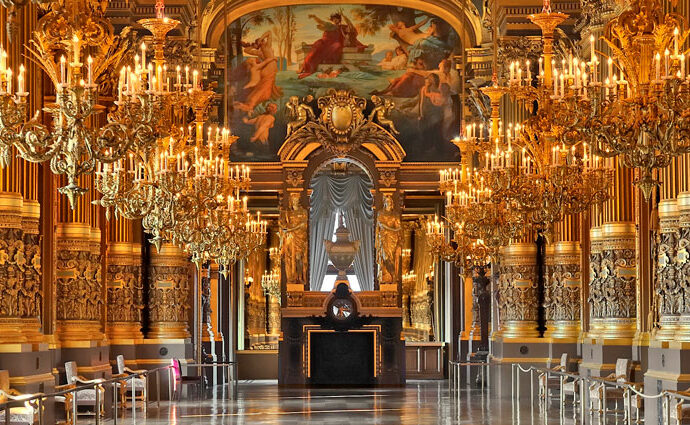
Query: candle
[555, 83]
[529, 73]
[89, 61]
[143, 55]
[196, 78]
[3, 61]
[591, 48]
[675, 42]
[562, 85]
[657, 60]
[75, 47]
[512, 71]
[20, 81]
[610, 69]
[541, 65]
[62, 69]
[186, 75]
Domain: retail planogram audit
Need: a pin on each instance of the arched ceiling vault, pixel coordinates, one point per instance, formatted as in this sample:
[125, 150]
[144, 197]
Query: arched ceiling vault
[466, 22]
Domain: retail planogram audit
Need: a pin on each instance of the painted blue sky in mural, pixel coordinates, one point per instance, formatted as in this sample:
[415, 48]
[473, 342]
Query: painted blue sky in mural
[398, 53]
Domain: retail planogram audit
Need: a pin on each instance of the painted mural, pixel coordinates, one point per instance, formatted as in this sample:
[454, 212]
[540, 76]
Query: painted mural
[401, 54]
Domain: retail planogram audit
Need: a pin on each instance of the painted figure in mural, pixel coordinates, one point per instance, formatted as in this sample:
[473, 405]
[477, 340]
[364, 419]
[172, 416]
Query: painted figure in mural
[380, 113]
[388, 242]
[300, 113]
[329, 48]
[394, 61]
[408, 84]
[266, 66]
[262, 123]
[293, 240]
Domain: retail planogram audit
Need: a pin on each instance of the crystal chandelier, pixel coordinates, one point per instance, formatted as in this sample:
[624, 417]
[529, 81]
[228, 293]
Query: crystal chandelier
[72, 144]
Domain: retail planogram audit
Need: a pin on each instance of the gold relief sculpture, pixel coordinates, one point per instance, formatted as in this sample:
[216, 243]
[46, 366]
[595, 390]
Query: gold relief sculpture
[168, 293]
[517, 291]
[341, 125]
[125, 298]
[682, 262]
[299, 112]
[78, 286]
[388, 242]
[668, 299]
[562, 292]
[293, 240]
[612, 298]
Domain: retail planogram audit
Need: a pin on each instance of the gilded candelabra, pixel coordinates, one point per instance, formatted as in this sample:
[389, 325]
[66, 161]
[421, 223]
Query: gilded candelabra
[461, 250]
[72, 144]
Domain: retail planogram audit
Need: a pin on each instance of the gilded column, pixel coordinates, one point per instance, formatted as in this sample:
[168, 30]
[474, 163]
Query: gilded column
[517, 290]
[667, 302]
[682, 257]
[613, 288]
[563, 282]
[123, 283]
[168, 293]
[21, 293]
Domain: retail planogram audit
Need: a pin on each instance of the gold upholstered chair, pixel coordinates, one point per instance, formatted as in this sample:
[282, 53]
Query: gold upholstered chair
[25, 412]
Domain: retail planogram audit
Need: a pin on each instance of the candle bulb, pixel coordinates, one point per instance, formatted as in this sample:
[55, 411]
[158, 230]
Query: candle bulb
[591, 48]
[75, 47]
[20, 81]
[529, 73]
[89, 61]
[62, 69]
[657, 60]
[666, 63]
[610, 68]
[143, 55]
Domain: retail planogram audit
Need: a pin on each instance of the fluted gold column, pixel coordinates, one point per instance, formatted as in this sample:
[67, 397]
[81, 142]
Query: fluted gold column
[168, 293]
[124, 283]
[563, 283]
[21, 293]
[612, 291]
[517, 290]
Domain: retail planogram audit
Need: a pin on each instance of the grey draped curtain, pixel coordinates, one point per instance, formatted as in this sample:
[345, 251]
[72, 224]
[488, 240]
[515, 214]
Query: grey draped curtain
[351, 195]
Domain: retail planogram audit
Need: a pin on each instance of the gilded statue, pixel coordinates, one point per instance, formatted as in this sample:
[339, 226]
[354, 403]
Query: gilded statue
[299, 113]
[388, 243]
[380, 113]
[293, 240]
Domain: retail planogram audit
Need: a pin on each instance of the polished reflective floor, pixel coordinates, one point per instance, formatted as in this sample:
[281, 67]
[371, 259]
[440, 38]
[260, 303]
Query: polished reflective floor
[420, 402]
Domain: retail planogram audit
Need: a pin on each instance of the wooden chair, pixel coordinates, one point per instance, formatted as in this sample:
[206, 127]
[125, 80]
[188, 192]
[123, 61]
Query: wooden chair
[27, 414]
[548, 382]
[597, 393]
[132, 385]
[85, 397]
[181, 380]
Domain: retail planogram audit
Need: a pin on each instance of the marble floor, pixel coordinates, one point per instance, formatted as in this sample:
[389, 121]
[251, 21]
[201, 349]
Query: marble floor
[420, 402]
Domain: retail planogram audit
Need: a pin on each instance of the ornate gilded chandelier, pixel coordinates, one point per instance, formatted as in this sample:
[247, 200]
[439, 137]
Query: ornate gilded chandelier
[75, 46]
[642, 110]
[461, 250]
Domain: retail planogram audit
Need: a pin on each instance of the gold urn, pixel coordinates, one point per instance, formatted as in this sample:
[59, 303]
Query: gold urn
[342, 252]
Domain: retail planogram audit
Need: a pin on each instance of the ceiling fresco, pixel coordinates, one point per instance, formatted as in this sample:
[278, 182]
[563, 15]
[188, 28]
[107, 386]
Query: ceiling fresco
[401, 54]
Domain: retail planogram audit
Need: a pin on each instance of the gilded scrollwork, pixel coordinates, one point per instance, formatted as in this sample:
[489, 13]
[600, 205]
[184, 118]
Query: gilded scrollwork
[682, 259]
[20, 274]
[78, 285]
[612, 295]
[168, 294]
[562, 292]
[517, 293]
[668, 286]
[125, 293]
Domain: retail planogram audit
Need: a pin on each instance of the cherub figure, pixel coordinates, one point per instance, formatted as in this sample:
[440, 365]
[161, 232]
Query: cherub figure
[300, 113]
[262, 123]
[382, 108]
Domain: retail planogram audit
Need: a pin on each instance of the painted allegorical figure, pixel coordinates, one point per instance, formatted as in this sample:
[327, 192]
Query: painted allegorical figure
[329, 48]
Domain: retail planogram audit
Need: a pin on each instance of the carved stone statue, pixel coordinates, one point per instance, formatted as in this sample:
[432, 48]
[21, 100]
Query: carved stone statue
[388, 242]
[382, 108]
[293, 241]
[299, 113]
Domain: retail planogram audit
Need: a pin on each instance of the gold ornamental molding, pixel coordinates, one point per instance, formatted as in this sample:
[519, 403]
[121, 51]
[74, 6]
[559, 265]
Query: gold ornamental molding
[11, 205]
[341, 127]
